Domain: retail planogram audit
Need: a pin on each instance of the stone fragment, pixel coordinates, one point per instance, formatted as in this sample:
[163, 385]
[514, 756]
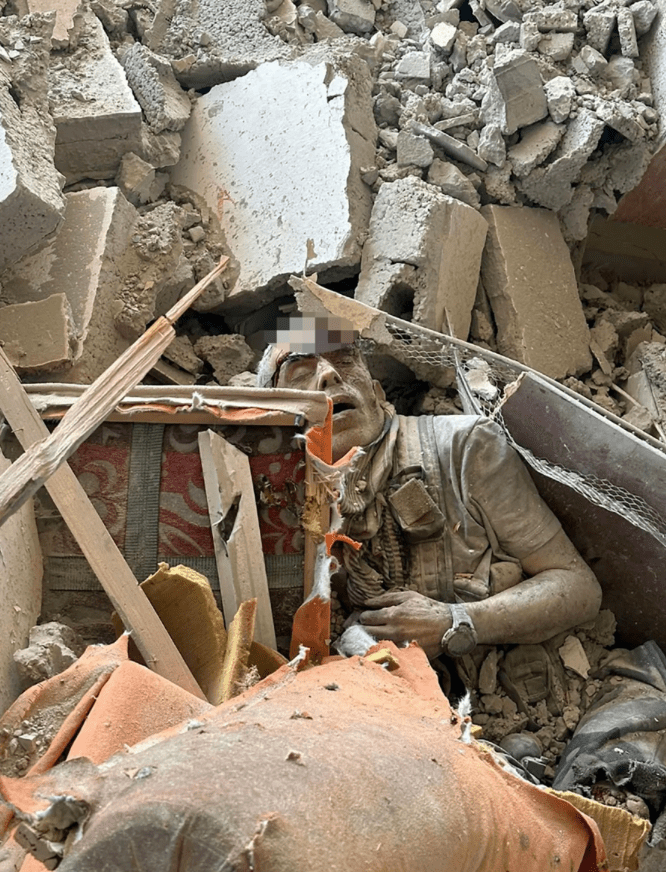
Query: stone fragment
[492, 147]
[654, 304]
[522, 97]
[181, 352]
[605, 335]
[159, 150]
[96, 116]
[36, 336]
[214, 42]
[67, 24]
[414, 67]
[52, 648]
[453, 182]
[387, 108]
[138, 180]
[536, 143]
[627, 32]
[412, 252]
[20, 589]
[554, 18]
[556, 46]
[488, 673]
[399, 29]
[81, 261]
[575, 216]
[622, 117]
[599, 24]
[504, 10]
[165, 104]
[498, 184]
[273, 208]
[31, 204]
[644, 13]
[593, 60]
[530, 36]
[529, 279]
[228, 354]
[574, 657]
[560, 92]
[413, 150]
[443, 35]
[622, 74]
[352, 16]
[510, 32]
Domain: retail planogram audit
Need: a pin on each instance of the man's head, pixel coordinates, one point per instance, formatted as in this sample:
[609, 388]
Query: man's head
[342, 373]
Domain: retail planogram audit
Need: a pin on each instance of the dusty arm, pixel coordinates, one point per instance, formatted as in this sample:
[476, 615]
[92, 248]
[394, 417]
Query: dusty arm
[561, 592]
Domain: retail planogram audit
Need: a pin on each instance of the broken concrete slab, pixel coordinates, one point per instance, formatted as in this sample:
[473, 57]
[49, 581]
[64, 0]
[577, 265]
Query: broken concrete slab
[276, 214]
[453, 182]
[412, 251]
[31, 203]
[151, 78]
[37, 336]
[52, 647]
[536, 143]
[519, 98]
[81, 260]
[138, 180]
[214, 42]
[96, 116]
[21, 591]
[68, 18]
[352, 16]
[529, 279]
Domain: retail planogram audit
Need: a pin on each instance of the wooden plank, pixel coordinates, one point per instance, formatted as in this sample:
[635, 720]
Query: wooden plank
[40, 461]
[228, 480]
[108, 564]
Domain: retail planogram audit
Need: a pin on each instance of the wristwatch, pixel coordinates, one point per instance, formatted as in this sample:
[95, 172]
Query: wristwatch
[461, 638]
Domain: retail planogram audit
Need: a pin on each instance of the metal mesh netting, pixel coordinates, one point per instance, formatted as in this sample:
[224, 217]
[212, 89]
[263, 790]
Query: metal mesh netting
[425, 351]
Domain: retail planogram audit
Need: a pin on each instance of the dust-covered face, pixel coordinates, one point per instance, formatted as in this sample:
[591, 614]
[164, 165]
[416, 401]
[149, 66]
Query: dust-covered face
[358, 417]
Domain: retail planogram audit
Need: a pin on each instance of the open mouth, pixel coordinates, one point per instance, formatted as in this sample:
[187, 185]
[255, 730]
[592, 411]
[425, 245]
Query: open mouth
[342, 407]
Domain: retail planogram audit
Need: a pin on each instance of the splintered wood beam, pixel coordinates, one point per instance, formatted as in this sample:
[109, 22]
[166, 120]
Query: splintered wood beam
[240, 558]
[27, 474]
[106, 561]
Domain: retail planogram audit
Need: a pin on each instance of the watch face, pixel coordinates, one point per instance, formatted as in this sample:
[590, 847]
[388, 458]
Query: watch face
[462, 641]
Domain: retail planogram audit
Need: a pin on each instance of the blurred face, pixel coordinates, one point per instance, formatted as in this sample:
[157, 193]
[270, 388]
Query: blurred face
[358, 417]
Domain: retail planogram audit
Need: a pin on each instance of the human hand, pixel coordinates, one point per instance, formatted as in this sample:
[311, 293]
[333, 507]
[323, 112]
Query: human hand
[405, 616]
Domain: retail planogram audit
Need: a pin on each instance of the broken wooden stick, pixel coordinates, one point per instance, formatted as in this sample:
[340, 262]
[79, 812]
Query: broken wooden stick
[239, 555]
[27, 474]
[239, 642]
[95, 541]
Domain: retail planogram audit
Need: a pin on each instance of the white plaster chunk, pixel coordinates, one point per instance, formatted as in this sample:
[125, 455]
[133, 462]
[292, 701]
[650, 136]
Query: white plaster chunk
[644, 13]
[443, 35]
[279, 164]
[453, 182]
[414, 66]
[414, 245]
[165, 104]
[530, 281]
[413, 150]
[96, 116]
[627, 33]
[560, 93]
[593, 60]
[82, 262]
[599, 24]
[556, 46]
[621, 116]
[492, 147]
[20, 590]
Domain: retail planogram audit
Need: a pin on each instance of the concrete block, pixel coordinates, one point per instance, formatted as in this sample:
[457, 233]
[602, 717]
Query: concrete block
[529, 279]
[414, 67]
[293, 196]
[522, 96]
[621, 116]
[425, 246]
[443, 35]
[37, 336]
[599, 24]
[138, 180]
[20, 590]
[537, 142]
[492, 147]
[96, 116]
[214, 42]
[627, 32]
[31, 203]
[413, 150]
[556, 46]
[644, 13]
[165, 104]
[228, 354]
[83, 262]
[68, 20]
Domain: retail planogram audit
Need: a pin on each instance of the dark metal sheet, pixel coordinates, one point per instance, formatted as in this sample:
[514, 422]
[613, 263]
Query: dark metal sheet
[629, 563]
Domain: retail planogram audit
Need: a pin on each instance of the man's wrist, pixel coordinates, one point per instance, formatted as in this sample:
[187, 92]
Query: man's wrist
[460, 638]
